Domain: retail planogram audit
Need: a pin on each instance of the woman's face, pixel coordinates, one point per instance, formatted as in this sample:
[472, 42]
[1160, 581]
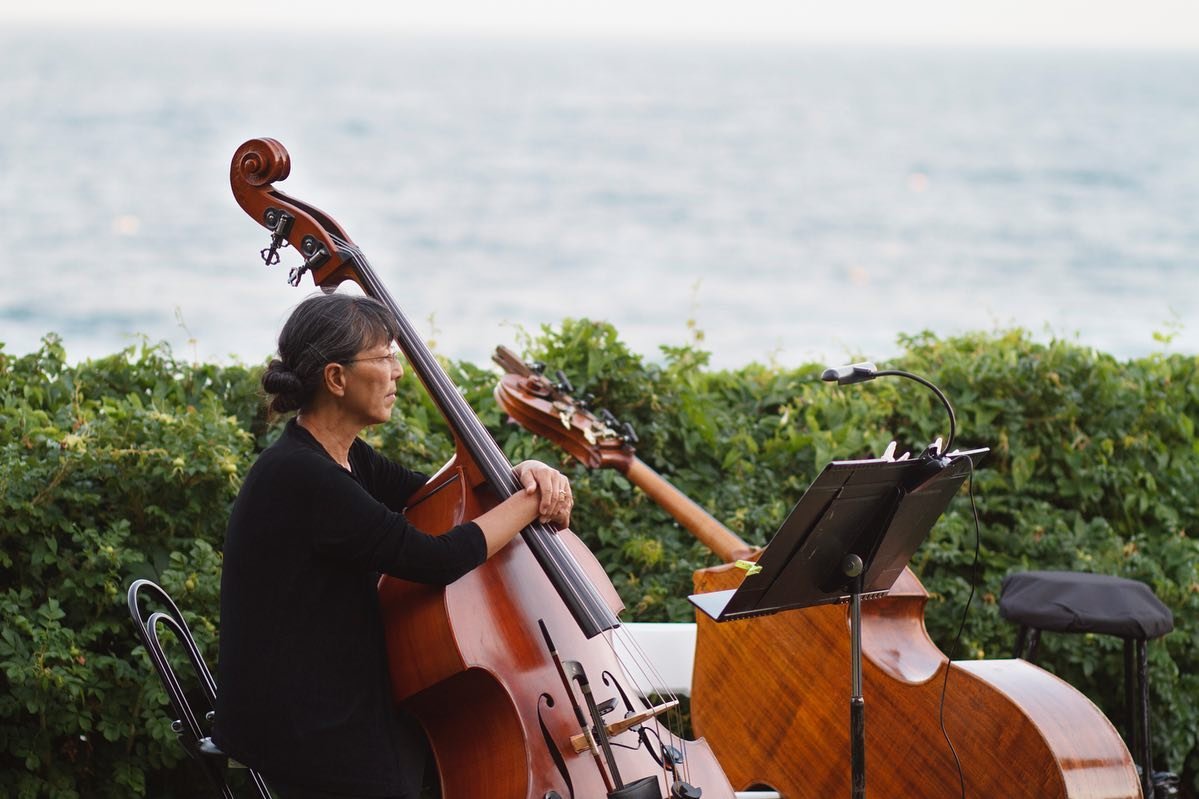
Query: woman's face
[370, 382]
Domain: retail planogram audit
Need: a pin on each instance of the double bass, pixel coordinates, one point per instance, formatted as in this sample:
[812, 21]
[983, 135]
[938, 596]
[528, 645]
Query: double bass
[770, 693]
[511, 670]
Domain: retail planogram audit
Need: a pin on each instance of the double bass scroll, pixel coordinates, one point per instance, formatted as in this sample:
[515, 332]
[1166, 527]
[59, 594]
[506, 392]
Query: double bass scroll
[530, 399]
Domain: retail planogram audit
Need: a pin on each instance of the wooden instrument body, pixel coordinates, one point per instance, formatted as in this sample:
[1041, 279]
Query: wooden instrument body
[771, 693]
[468, 659]
[1018, 731]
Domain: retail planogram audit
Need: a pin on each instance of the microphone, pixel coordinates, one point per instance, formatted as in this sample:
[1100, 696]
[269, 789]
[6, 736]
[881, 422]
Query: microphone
[854, 373]
[861, 372]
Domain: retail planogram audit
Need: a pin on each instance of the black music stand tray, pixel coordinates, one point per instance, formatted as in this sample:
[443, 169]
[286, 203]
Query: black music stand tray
[847, 539]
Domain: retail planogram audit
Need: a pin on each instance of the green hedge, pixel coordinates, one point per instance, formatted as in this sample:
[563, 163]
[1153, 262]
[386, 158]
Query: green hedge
[124, 467]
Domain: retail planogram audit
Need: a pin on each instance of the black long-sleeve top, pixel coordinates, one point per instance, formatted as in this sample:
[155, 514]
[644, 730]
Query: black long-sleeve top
[303, 693]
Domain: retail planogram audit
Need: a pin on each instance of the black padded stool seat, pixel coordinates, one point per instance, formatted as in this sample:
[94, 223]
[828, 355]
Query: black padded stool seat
[1079, 602]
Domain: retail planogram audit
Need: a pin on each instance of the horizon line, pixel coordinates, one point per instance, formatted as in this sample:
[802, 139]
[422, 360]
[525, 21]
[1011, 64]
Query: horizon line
[434, 34]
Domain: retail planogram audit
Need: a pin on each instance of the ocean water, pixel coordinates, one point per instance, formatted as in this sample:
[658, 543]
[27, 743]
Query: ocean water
[793, 203]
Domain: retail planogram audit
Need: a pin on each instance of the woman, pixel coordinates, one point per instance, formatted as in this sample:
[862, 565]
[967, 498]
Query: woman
[303, 691]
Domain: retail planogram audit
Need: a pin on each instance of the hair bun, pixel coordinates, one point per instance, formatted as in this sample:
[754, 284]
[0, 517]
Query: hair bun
[278, 379]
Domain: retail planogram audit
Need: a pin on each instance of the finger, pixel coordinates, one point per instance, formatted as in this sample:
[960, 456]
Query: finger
[549, 497]
[552, 492]
[562, 498]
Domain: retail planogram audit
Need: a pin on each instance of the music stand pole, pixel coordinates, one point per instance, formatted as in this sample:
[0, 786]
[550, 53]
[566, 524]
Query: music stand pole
[852, 566]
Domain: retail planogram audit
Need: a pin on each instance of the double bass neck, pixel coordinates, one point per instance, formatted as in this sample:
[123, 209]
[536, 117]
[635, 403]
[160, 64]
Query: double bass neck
[701, 524]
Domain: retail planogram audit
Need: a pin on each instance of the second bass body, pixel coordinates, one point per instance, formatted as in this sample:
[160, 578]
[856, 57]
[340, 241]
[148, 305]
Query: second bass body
[1018, 731]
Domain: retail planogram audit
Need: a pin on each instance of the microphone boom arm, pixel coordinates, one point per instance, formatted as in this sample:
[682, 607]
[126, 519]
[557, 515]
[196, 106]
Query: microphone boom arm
[861, 372]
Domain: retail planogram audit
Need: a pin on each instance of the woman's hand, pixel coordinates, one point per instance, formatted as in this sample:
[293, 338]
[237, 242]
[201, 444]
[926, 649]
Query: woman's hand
[556, 498]
[544, 492]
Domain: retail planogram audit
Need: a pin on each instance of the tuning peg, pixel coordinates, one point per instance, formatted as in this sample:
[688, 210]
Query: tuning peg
[628, 434]
[608, 418]
[586, 401]
[315, 255]
[538, 367]
[279, 223]
[563, 384]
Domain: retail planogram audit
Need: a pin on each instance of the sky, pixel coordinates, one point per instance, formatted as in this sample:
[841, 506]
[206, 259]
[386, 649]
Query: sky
[1138, 24]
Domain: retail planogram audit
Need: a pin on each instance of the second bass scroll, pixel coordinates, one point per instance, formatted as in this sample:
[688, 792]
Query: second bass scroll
[769, 693]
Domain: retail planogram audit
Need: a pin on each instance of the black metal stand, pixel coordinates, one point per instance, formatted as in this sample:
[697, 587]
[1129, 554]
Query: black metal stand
[852, 566]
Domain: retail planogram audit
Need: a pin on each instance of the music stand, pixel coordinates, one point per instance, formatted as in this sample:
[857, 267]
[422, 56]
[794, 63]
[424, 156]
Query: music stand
[847, 539]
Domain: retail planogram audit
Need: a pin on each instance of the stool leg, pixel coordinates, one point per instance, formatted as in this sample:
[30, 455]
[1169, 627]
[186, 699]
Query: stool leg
[1026, 643]
[1132, 730]
[1021, 641]
[1146, 747]
[1034, 638]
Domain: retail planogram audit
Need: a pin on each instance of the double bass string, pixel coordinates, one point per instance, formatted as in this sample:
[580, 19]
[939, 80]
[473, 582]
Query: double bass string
[657, 684]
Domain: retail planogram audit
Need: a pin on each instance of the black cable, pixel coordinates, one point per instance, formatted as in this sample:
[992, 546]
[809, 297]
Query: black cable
[962, 626]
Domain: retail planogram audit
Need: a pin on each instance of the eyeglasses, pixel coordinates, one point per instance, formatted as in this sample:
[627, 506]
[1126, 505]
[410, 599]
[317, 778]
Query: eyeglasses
[393, 355]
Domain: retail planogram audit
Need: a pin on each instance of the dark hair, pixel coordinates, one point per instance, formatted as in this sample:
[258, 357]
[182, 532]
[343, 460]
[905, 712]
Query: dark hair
[323, 329]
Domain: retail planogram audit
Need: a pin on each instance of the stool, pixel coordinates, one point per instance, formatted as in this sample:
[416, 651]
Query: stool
[1079, 602]
[187, 724]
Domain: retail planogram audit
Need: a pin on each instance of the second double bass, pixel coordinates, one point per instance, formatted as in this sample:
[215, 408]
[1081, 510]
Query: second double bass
[770, 693]
[511, 669]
